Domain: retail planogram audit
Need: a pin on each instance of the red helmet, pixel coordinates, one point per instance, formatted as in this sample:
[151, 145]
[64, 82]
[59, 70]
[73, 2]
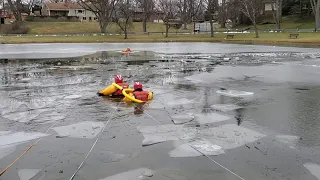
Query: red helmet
[137, 85]
[118, 79]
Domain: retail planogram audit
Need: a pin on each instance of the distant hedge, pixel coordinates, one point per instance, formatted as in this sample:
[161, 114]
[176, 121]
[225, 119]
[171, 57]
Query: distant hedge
[52, 19]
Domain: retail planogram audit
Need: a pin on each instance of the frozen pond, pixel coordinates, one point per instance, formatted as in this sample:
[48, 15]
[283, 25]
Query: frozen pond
[220, 111]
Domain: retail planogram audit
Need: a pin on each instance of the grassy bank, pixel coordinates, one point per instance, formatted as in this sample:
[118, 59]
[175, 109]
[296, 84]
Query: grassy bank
[90, 27]
[312, 39]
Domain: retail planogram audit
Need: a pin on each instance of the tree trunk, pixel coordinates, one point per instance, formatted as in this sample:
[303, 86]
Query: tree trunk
[16, 10]
[317, 20]
[125, 32]
[144, 25]
[185, 25]
[255, 29]
[223, 14]
[300, 9]
[167, 30]
[211, 28]
[103, 26]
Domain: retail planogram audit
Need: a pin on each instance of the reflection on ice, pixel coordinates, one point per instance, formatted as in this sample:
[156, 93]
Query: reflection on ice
[86, 129]
[136, 174]
[27, 174]
[314, 169]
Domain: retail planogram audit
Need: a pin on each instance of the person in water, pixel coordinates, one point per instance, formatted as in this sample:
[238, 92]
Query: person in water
[128, 50]
[139, 93]
[118, 92]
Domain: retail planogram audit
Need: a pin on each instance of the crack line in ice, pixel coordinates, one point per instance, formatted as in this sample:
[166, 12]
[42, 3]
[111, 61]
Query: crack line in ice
[190, 145]
[94, 144]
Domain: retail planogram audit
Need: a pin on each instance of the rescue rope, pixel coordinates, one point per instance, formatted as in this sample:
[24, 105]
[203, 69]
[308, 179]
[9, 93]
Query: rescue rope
[94, 144]
[28, 149]
[191, 145]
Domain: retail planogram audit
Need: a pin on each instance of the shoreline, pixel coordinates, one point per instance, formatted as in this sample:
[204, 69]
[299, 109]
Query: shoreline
[280, 39]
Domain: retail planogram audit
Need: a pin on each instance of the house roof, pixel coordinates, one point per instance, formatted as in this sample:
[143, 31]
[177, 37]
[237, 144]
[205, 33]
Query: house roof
[63, 6]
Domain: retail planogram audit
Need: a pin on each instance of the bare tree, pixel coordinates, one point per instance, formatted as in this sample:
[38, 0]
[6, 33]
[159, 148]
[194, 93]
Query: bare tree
[15, 7]
[169, 9]
[188, 9]
[252, 9]
[147, 7]
[315, 4]
[103, 9]
[122, 16]
[212, 7]
[277, 13]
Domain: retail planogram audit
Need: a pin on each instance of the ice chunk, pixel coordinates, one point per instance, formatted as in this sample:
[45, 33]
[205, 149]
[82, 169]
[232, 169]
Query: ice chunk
[196, 148]
[157, 134]
[108, 156]
[234, 93]
[225, 107]
[86, 129]
[75, 96]
[230, 136]
[6, 150]
[18, 137]
[288, 140]
[181, 101]
[210, 118]
[314, 169]
[27, 174]
[136, 174]
[25, 116]
[181, 119]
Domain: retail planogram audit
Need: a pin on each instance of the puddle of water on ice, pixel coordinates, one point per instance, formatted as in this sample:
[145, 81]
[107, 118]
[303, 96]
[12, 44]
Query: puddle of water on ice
[136, 174]
[313, 168]
[27, 174]
[86, 129]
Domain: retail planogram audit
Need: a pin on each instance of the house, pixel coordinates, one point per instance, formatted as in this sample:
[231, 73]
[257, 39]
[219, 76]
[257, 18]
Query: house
[67, 9]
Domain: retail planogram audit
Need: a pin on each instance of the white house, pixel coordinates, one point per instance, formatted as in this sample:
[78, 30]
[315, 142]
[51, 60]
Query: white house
[67, 9]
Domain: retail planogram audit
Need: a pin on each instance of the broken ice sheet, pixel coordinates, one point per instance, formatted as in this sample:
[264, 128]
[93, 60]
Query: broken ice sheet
[234, 93]
[180, 101]
[74, 96]
[291, 141]
[6, 150]
[313, 168]
[136, 174]
[157, 134]
[225, 107]
[108, 156]
[196, 148]
[25, 116]
[182, 118]
[213, 141]
[210, 118]
[86, 129]
[8, 138]
[27, 174]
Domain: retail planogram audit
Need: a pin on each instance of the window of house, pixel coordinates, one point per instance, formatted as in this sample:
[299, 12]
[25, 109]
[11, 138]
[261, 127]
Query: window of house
[84, 18]
[94, 18]
[79, 11]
